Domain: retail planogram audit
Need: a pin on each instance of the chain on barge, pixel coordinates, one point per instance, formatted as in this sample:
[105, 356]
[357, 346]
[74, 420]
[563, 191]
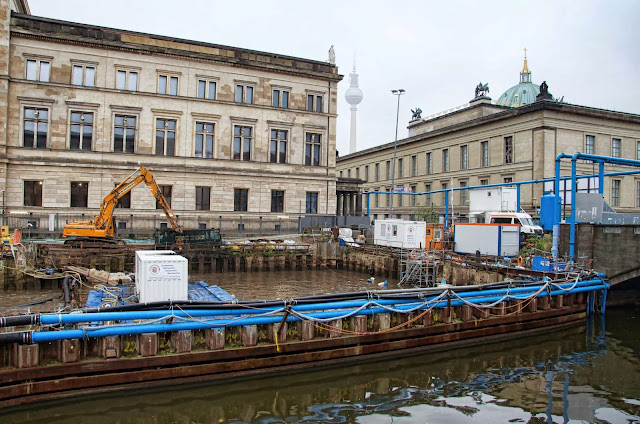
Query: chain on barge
[213, 336]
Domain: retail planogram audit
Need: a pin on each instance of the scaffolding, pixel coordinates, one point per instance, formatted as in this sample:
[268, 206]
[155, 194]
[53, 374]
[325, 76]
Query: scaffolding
[418, 268]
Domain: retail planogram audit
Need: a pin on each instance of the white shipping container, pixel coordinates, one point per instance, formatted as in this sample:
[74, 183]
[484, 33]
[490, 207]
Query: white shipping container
[161, 275]
[489, 239]
[400, 233]
[495, 199]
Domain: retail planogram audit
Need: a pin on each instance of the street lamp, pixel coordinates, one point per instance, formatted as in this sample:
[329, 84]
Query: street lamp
[398, 93]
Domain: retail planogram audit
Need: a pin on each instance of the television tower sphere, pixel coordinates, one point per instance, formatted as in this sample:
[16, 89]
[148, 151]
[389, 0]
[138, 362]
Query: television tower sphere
[353, 94]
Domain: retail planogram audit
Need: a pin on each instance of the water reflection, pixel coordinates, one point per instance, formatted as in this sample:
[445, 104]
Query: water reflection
[581, 374]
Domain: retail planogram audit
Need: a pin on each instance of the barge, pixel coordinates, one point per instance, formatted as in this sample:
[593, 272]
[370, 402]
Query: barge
[130, 346]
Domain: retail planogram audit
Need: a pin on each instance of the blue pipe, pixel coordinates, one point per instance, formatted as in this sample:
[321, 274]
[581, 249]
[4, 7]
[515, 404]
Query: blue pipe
[47, 336]
[368, 204]
[518, 197]
[572, 220]
[54, 319]
[446, 209]
[601, 178]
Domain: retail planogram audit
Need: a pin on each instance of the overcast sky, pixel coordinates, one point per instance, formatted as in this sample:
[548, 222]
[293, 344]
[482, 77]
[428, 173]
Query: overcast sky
[438, 51]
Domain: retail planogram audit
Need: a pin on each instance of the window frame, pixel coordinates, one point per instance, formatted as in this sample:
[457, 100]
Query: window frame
[313, 145]
[38, 61]
[125, 116]
[208, 82]
[277, 201]
[167, 192]
[377, 172]
[245, 86]
[445, 160]
[127, 80]
[589, 148]
[464, 157]
[81, 124]
[315, 102]
[33, 192]
[37, 109]
[166, 88]
[400, 168]
[205, 134]
[463, 193]
[242, 139]
[203, 198]
[429, 163]
[166, 130]
[616, 186]
[83, 69]
[276, 155]
[427, 197]
[484, 153]
[414, 165]
[311, 207]
[509, 150]
[238, 195]
[278, 100]
[616, 147]
[85, 195]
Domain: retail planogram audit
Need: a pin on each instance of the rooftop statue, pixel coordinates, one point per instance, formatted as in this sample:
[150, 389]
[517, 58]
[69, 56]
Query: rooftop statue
[482, 89]
[417, 113]
[332, 55]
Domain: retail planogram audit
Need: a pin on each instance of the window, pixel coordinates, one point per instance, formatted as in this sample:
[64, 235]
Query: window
[33, 193]
[638, 150]
[281, 98]
[166, 192]
[124, 134]
[376, 199]
[377, 172]
[244, 94]
[388, 170]
[427, 197]
[445, 160]
[240, 199]
[241, 143]
[81, 131]
[366, 169]
[38, 70]
[36, 123]
[508, 149]
[312, 202]
[484, 153]
[615, 192]
[312, 149]
[400, 168]
[203, 198]
[204, 140]
[414, 165]
[314, 103]
[463, 193]
[484, 182]
[358, 173]
[445, 186]
[589, 144]
[165, 137]
[206, 89]
[79, 194]
[464, 163]
[341, 174]
[277, 200]
[127, 80]
[400, 196]
[278, 146]
[413, 197]
[83, 75]
[124, 202]
[507, 180]
[429, 164]
[388, 196]
[637, 194]
[167, 85]
[615, 147]
[348, 173]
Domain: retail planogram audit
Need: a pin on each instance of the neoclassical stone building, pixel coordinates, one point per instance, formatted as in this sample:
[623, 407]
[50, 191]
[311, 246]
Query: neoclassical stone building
[229, 133]
[515, 139]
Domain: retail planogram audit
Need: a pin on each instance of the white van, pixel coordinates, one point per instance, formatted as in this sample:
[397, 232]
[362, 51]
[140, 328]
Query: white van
[527, 227]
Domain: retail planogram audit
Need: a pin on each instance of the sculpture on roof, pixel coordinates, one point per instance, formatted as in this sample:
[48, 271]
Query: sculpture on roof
[482, 89]
[417, 113]
[332, 55]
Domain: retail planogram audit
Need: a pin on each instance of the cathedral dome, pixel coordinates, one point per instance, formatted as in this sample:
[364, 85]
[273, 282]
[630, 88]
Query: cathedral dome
[522, 94]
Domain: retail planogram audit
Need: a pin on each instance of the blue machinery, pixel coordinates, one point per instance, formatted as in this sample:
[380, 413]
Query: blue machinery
[601, 160]
[176, 318]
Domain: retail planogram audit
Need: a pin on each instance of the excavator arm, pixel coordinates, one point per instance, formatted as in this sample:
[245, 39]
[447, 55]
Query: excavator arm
[102, 224]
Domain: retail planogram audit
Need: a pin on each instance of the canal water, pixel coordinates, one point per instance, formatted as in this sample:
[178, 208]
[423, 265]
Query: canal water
[589, 373]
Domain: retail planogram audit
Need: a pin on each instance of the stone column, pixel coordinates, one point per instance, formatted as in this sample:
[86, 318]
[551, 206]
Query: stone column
[358, 204]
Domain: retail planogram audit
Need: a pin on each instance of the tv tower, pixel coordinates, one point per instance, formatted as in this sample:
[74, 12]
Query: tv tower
[353, 97]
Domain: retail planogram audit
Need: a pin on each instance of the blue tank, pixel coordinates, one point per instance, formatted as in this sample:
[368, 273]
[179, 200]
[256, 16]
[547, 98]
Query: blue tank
[549, 211]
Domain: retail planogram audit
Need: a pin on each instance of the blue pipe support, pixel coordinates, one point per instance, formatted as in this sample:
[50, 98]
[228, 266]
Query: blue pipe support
[53, 319]
[518, 197]
[446, 209]
[368, 204]
[601, 178]
[572, 220]
[47, 336]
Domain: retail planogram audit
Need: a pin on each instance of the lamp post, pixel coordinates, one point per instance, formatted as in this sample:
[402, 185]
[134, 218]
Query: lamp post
[398, 93]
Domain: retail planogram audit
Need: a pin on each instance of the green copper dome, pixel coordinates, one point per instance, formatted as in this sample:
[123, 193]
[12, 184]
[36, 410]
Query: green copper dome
[522, 94]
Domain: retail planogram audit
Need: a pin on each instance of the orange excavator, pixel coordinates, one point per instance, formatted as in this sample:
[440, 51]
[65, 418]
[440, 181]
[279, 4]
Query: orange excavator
[102, 226]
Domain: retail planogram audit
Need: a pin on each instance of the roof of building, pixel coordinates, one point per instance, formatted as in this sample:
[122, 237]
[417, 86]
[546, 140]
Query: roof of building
[111, 38]
[524, 93]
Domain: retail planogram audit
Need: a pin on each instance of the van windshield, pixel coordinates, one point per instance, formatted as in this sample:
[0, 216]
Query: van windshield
[526, 221]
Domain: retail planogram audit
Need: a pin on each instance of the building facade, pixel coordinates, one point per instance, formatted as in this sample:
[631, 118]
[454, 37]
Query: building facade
[486, 143]
[225, 131]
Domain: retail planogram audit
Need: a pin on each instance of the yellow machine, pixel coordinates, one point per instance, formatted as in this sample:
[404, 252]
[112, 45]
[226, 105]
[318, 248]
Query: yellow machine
[102, 226]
